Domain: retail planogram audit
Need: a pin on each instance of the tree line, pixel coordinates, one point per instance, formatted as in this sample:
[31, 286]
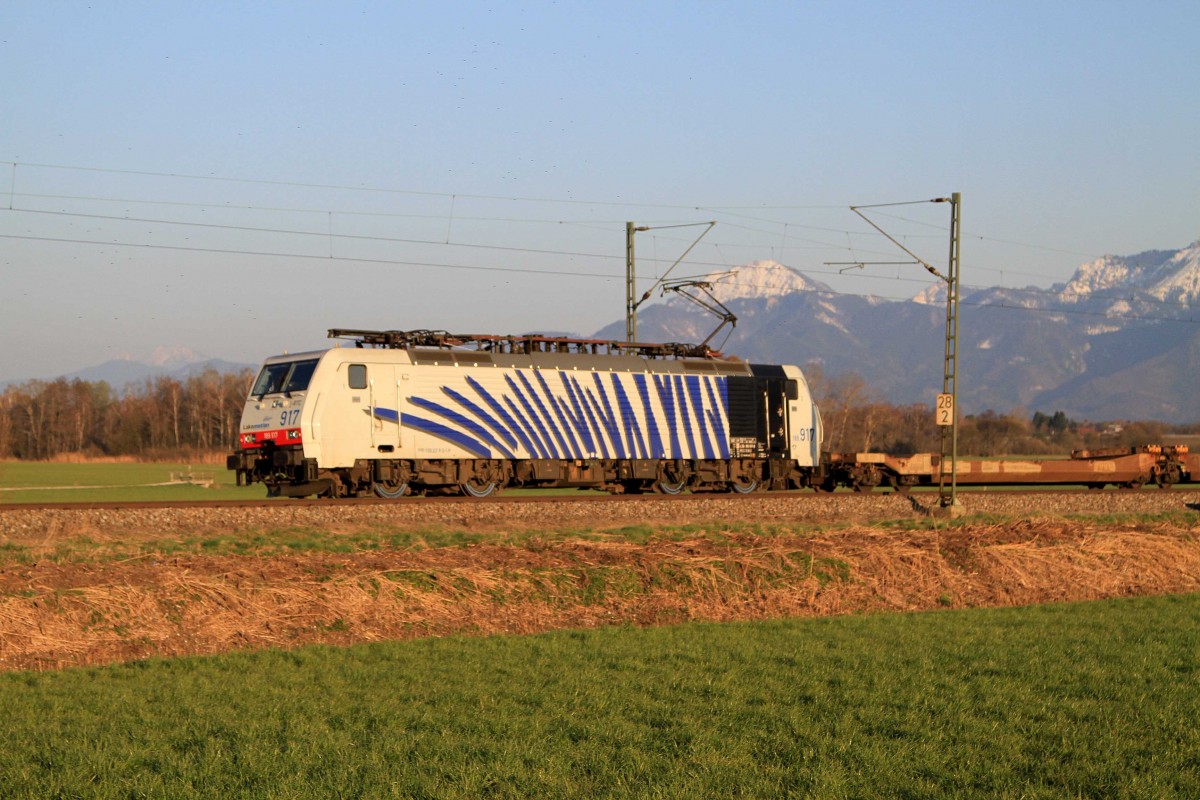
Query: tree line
[161, 417]
[171, 419]
[858, 421]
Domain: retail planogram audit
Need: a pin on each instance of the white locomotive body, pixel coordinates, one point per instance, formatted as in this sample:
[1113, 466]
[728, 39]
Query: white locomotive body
[410, 412]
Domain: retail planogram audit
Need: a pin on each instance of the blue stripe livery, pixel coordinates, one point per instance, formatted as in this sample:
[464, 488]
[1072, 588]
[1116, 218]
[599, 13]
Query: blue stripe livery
[389, 414]
[532, 415]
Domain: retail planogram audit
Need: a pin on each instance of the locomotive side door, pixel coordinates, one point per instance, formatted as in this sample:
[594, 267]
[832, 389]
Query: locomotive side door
[366, 411]
[777, 392]
[383, 404]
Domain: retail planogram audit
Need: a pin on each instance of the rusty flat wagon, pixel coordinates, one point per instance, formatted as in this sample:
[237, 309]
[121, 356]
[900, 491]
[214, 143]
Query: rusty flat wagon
[1131, 467]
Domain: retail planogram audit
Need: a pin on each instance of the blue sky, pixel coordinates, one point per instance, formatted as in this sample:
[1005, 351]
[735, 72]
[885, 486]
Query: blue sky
[238, 179]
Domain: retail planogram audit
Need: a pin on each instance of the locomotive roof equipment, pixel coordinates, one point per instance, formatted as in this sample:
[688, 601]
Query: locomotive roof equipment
[521, 343]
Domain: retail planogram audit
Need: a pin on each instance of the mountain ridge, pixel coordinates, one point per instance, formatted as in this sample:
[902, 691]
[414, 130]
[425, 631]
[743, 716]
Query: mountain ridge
[1119, 340]
[175, 362]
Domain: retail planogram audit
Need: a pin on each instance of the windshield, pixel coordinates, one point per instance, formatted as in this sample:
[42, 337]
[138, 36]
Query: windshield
[301, 374]
[290, 376]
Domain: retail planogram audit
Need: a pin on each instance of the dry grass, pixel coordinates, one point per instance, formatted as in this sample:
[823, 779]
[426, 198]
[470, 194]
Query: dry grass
[96, 611]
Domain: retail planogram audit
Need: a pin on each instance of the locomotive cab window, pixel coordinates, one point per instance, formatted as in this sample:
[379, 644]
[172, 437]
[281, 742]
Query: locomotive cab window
[301, 374]
[271, 379]
[288, 377]
[793, 390]
[358, 376]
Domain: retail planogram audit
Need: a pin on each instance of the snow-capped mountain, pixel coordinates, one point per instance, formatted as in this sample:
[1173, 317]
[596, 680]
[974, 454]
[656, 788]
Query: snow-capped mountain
[760, 280]
[171, 357]
[932, 295]
[1165, 275]
[1120, 340]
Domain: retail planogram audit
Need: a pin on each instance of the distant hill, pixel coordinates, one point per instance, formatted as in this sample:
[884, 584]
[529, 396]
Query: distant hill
[1120, 340]
[120, 372]
[175, 362]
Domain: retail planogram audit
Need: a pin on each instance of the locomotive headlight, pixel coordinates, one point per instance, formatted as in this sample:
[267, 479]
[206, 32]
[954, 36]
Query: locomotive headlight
[247, 438]
[294, 433]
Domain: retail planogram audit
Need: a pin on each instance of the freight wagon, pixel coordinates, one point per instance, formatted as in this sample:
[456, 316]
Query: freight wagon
[1125, 467]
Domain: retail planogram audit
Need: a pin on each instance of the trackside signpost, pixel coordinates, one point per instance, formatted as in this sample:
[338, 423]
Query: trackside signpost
[945, 409]
[946, 415]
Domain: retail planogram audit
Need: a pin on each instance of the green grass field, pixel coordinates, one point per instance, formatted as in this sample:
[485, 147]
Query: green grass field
[1079, 700]
[49, 482]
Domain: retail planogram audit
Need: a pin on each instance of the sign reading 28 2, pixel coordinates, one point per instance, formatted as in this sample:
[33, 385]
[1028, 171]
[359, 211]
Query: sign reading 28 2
[945, 409]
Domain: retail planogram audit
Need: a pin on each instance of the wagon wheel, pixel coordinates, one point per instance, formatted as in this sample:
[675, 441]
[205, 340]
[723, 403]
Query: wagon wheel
[389, 490]
[1168, 477]
[864, 488]
[477, 488]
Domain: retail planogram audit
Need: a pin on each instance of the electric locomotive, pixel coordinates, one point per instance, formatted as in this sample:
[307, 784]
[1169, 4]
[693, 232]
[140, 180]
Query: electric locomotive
[414, 412]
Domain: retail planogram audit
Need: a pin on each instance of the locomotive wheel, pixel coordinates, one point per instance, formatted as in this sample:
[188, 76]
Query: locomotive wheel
[477, 488]
[744, 487]
[389, 491]
[666, 487]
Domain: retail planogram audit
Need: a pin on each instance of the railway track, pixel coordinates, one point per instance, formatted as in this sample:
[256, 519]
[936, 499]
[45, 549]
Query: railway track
[598, 501]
